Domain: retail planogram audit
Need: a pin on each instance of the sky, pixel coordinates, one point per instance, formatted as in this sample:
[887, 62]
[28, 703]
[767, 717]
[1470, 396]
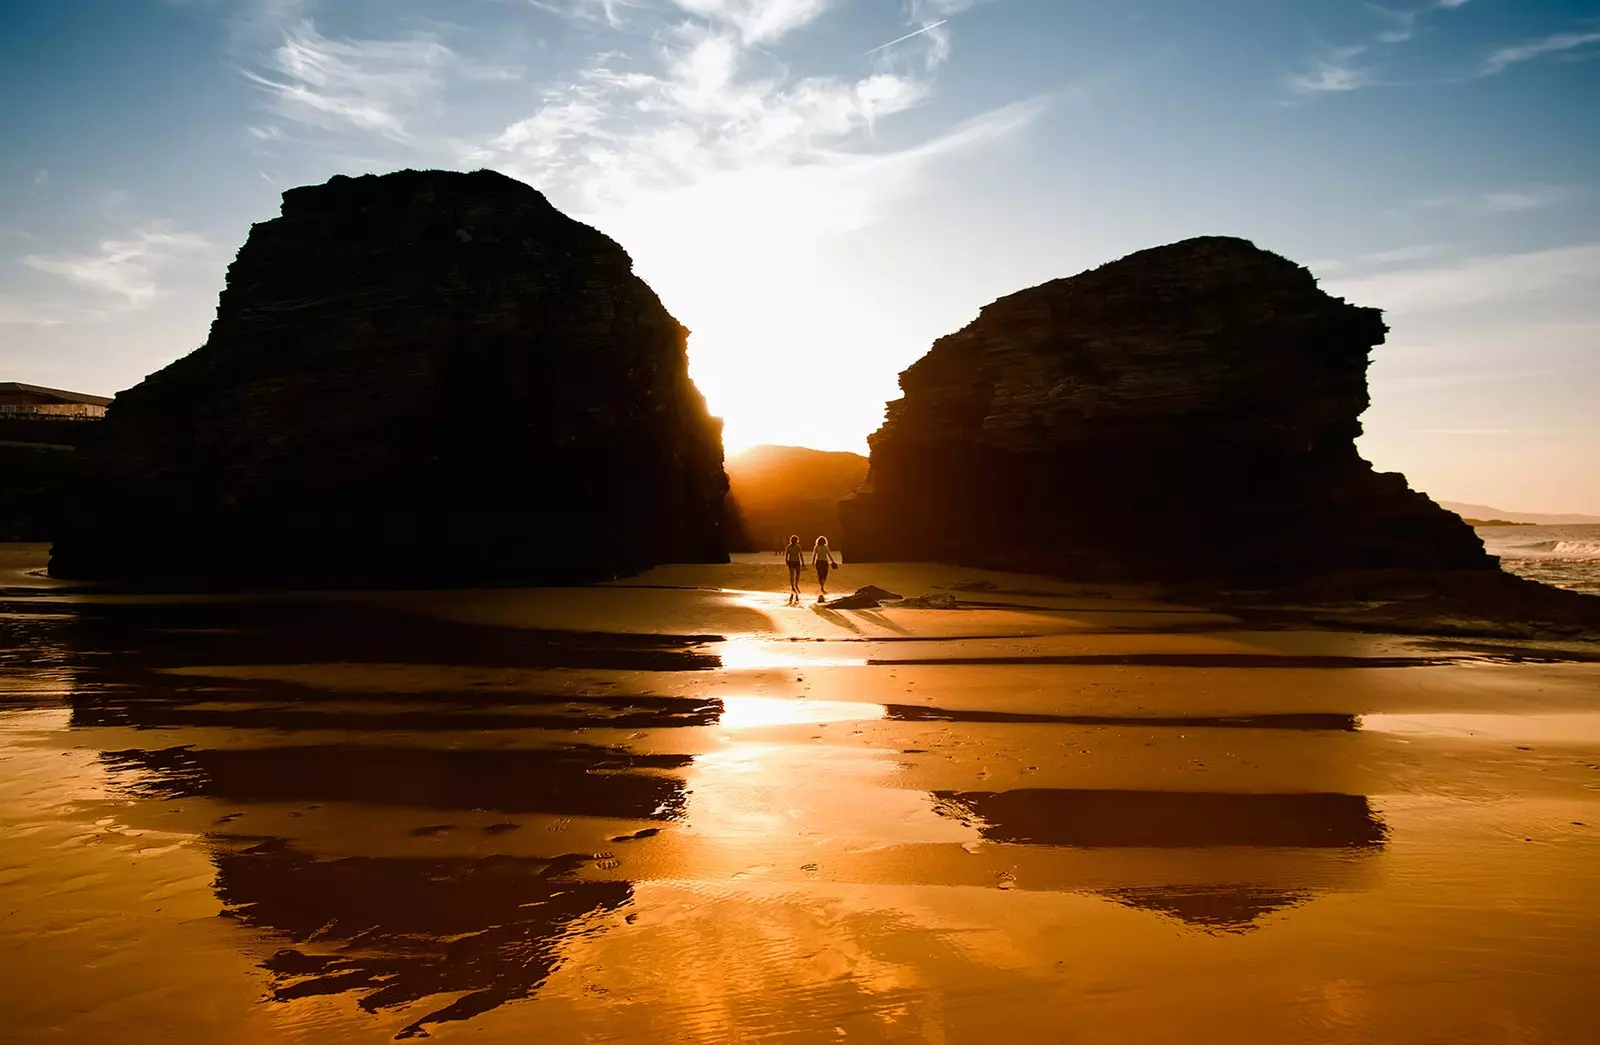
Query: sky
[820, 188]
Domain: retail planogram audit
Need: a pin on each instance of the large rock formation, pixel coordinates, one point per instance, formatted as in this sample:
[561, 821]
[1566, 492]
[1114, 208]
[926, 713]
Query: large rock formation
[1186, 413]
[419, 378]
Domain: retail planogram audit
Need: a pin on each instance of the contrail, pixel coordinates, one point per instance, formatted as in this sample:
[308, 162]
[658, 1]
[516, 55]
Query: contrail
[908, 36]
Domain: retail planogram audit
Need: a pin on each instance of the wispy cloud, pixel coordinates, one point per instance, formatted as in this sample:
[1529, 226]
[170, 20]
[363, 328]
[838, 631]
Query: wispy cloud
[605, 12]
[1475, 281]
[1353, 66]
[122, 269]
[1340, 70]
[756, 21]
[1506, 201]
[370, 85]
[1504, 58]
[713, 100]
[1377, 259]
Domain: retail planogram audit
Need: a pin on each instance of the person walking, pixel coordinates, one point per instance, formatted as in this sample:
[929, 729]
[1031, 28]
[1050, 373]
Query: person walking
[822, 558]
[794, 557]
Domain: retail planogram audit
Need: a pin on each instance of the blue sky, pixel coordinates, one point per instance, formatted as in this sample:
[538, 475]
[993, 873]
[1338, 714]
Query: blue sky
[819, 188]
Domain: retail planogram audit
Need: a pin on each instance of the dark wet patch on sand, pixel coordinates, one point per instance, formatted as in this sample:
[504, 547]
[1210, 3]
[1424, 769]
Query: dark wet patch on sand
[1292, 720]
[1182, 660]
[163, 634]
[648, 832]
[575, 781]
[1165, 819]
[289, 708]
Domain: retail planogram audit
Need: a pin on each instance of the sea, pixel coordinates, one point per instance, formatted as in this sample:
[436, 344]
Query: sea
[1563, 556]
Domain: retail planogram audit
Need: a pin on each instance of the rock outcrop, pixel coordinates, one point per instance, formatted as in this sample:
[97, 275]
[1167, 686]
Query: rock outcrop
[418, 378]
[40, 430]
[1187, 413]
[33, 481]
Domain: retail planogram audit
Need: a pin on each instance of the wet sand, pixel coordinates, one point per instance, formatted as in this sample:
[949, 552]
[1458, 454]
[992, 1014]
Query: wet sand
[679, 809]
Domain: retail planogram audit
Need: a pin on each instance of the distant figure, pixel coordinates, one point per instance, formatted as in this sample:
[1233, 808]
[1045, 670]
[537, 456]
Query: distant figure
[823, 558]
[795, 557]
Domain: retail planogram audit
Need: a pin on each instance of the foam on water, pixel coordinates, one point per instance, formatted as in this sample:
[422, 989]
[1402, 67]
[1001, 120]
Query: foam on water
[1563, 556]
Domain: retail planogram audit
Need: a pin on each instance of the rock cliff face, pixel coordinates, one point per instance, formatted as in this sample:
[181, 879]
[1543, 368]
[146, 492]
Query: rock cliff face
[418, 378]
[1186, 413]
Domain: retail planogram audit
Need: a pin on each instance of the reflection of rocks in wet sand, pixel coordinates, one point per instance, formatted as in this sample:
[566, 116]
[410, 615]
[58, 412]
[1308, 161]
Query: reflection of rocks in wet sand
[1165, 819]
[1178, 819]
[1303, 720]
[1184, 660]
[579, 781]
[287, 707]
[402, 930]
[312, 632]
[1224, 908]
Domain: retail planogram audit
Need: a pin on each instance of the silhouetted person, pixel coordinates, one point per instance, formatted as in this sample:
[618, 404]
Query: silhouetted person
[823, 558]
[795, 557]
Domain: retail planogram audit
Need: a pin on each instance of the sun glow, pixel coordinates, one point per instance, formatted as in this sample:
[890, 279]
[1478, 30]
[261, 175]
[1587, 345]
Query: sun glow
[785, 349]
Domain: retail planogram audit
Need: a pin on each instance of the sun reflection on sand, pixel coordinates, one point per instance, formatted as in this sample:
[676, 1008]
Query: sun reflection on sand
[750, 712]
[756, 652]
[776, 791]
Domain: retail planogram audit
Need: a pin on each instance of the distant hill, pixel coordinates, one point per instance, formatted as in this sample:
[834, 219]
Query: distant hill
[779, 490]
[1483, 511]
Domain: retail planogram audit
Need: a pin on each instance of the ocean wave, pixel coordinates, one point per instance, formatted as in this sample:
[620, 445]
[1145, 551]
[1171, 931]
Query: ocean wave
[1553, 549]
[1531, 546]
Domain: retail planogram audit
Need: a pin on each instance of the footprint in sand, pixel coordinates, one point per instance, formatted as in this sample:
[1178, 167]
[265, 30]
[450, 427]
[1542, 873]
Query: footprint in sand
[559, 825]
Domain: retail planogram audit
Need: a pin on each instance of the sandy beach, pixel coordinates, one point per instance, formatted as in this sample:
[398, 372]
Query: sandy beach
[678, 808]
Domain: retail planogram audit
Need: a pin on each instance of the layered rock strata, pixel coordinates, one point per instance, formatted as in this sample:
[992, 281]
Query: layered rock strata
[417, 378]
[1186, 413]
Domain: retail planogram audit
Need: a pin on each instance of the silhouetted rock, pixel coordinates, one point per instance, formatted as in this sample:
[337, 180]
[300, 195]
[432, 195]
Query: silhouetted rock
[1186, 413]
[39, 431]
[866, 598]
[779, 490]
[33, 479]
[420, 378]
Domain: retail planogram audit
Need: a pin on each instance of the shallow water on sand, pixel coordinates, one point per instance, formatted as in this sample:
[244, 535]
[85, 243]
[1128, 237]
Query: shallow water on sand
[360, 818]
